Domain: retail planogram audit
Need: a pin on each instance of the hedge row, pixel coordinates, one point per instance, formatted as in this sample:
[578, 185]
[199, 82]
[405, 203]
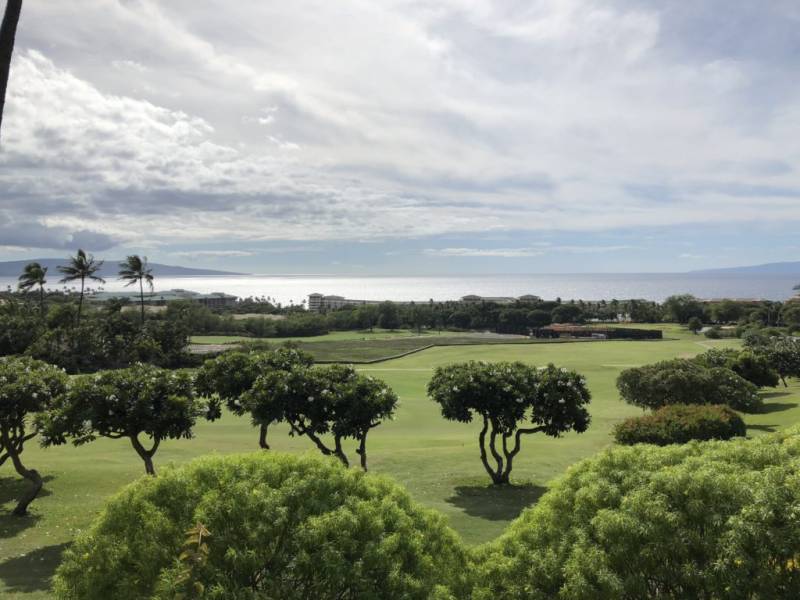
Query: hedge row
[681, 423]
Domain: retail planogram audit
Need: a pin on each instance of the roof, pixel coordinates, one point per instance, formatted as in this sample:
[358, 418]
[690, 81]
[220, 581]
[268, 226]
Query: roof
[163, 296]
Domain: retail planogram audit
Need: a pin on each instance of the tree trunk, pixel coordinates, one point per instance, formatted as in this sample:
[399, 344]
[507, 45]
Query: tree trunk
[146, 455]
[31, 475]
[141, 298]
[262, 437]
[80, 301]
[339, 453]
[8, 31]
[362, 451]
[41, 300]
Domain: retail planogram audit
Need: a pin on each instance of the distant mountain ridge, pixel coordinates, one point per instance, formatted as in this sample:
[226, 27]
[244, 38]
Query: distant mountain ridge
[778, 268]
[13, 268]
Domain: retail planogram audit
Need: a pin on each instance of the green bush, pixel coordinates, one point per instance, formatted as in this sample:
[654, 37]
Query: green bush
[684, 381]
[680, 423]
[278, 527]
[754, 367]
[714, 520]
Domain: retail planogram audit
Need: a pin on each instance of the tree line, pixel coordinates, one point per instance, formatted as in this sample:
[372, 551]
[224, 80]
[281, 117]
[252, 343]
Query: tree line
[328, 405]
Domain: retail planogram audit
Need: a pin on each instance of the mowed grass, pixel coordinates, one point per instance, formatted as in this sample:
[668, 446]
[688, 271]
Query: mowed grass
[333, 336]
[436, 460]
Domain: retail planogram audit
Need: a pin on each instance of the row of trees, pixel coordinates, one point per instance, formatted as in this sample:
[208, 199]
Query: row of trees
[84, 267]
[326, 404]
[147, 405]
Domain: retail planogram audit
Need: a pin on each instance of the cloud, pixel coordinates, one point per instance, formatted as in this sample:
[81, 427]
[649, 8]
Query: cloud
[494, 252]
[213, 253]
[419, 119]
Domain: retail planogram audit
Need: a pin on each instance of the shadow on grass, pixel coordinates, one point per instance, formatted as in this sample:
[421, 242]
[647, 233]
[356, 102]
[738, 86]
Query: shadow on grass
[777, 394]
[773, 407]
[495, 503]
[767, 428]
[32, 572]
[12, 488]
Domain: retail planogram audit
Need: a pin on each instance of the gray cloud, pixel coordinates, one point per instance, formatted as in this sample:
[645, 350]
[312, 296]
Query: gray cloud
[418, 119]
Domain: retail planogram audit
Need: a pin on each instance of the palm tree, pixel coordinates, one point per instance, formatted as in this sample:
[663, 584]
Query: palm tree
[32, 275]
[135, 269]
[8, 31]
[83, 267]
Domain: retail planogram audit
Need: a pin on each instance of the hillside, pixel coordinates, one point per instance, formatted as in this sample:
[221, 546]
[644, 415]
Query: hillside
[778, 268]
[13, 268]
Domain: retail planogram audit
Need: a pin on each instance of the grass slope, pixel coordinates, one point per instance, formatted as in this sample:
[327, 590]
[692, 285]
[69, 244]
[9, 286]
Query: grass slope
[435, 459]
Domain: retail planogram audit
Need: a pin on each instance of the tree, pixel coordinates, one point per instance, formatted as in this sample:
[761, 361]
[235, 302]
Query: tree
[81, 267]
[783, 355]
[278, 526]
[32, 275]
[388, 317]
[680, 309]
[567, 313]
[135, 270]
[504, 396]
[695, 325]
[230, 376]
[27, 387]
[127, 403]
[8, 31]
[538, 318]
[752, 366]
[335, 400]
[685, 381]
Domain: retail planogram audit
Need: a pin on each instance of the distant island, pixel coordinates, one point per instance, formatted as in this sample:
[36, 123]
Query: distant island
[778, 268]
[13, 268]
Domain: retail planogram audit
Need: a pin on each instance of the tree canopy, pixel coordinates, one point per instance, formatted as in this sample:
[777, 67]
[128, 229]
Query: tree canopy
[27, 388]
[141, 400]
[511, 399]
[231, 375]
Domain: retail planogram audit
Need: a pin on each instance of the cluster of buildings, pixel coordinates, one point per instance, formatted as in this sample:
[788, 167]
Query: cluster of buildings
[212, 300]
[321, 303]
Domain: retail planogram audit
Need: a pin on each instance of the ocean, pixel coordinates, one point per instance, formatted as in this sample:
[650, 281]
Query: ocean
[288, 289]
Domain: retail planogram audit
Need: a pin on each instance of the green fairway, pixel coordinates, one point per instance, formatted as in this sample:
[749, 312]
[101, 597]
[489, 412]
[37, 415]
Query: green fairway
[334, 336]
[435, 459]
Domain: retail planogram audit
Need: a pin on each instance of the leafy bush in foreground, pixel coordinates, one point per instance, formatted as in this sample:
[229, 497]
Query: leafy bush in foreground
[715, 520]
[273, 526]
[680, 423]
[683, 381]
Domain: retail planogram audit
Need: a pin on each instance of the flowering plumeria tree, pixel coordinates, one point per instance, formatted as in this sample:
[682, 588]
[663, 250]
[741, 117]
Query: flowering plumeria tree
[229, 376]
[333, 400]
[511, 400]
[127, 403]
[27, 387]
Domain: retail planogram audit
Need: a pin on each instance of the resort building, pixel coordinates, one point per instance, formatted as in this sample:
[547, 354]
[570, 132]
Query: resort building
[320, 302]
[212, 300]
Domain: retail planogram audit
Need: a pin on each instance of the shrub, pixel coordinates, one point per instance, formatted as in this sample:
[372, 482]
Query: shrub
[714, 333]
[278, 526]
[680, 423]
[701, 520]
[684, 381]
[754, 367]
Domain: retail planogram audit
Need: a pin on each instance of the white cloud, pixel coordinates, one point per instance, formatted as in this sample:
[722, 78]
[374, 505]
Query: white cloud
[494, 252]
[418, 118]
[213, 253]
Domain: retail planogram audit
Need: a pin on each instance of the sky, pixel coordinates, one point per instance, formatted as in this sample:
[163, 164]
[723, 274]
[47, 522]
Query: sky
[405, 136]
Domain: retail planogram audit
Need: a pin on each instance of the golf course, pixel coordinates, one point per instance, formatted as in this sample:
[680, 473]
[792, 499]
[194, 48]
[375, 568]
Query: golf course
[435, 459]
